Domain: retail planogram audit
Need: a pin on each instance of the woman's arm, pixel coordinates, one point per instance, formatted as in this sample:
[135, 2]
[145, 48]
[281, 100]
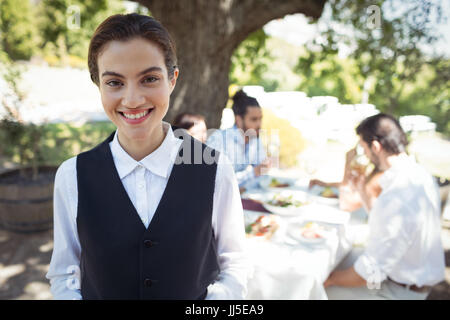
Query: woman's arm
[317, 182]
[64, 271]
[229, 230]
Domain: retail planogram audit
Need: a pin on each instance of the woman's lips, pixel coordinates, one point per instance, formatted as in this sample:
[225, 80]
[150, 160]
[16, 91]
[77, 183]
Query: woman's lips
[138, 120]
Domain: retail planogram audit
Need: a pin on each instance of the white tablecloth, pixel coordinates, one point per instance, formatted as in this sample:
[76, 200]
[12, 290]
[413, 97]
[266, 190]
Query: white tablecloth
[285, 268]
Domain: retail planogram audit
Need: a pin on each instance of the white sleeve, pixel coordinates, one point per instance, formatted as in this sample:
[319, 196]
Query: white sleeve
[64, 271]
[246, 175]
[229, 230]
[391, 233]
[216, 141]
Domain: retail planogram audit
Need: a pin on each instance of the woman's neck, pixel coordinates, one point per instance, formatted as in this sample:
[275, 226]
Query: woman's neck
[139, 149]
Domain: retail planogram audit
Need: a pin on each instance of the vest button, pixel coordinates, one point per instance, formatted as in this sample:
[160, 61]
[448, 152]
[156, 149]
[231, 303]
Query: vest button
[148, 243]
[148, 282]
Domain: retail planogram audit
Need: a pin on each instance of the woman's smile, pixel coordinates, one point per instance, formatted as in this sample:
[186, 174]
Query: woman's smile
[137, 116]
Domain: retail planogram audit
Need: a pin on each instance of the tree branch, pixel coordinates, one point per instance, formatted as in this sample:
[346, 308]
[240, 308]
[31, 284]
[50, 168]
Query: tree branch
[251, 15]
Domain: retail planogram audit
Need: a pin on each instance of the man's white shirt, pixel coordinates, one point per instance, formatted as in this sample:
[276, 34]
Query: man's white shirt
[404, 241]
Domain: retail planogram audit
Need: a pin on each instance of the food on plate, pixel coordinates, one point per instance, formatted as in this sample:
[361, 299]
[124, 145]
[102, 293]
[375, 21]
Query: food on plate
[285, 201]
[274, 183]
[328, 193]
[264, 226]
[312, 230]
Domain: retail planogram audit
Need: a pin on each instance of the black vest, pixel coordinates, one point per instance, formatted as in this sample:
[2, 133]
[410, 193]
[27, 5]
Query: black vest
[175, 258]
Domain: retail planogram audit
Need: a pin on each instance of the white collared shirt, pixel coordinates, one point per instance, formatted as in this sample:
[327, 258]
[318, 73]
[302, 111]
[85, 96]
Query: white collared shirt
[405, 230]
[145, 182]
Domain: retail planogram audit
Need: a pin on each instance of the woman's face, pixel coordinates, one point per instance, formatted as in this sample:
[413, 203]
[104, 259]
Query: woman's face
[134, 87]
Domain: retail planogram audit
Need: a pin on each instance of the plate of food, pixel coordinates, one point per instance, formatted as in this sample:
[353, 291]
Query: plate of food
[269, 182]
[285, 204]
[263, 227]
[326, 195]
[329, 192]
[309, 232]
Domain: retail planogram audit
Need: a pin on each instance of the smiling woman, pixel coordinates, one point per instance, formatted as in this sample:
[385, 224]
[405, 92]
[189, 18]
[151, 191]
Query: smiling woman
[128, 219]
[135, 96]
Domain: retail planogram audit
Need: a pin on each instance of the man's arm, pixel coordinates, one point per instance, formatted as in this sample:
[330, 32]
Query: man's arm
[390, 237]
[345, 278]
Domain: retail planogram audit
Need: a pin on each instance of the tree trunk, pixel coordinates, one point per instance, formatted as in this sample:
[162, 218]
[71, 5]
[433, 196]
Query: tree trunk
[206, 32]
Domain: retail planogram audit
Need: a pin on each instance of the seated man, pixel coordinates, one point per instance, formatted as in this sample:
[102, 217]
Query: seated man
[403, 257]
[241, 143]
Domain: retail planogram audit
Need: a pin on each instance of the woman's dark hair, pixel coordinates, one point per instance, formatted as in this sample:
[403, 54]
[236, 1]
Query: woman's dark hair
[123, 27]
[241, 101]
[384, 129]
[187, 120]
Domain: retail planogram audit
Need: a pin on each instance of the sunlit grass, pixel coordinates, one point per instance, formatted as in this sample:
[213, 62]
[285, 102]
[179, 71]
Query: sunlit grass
[65, 140]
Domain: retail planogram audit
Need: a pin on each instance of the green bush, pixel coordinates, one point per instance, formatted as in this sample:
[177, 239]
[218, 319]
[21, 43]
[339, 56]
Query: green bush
[291, 141]
[17, 32]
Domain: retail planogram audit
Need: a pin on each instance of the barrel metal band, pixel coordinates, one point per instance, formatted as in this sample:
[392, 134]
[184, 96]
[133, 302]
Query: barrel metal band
[26, 201]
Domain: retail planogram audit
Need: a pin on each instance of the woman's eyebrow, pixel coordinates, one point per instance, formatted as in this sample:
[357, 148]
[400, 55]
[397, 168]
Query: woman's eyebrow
[115, 74]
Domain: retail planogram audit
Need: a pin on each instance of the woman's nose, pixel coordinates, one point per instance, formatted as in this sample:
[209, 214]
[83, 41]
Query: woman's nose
[133, 97]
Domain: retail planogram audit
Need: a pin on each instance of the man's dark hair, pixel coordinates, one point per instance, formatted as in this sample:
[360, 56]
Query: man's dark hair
[386, 130]
[241, 101]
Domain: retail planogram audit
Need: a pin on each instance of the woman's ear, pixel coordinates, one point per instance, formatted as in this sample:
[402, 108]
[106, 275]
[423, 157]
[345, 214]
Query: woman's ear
[173, 80]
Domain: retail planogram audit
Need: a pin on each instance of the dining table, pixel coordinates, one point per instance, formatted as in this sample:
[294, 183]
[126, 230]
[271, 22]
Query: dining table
[285, 264]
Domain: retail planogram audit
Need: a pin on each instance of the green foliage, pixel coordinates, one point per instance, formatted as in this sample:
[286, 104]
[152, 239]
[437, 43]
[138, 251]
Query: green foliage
[58, 30]
[249, 62]
[429, 94]
[18, 140]
[328, 75]
[67, 25]
[17, 33]
[402, 77]
[291, 141]
[64, 140]
[52, 143]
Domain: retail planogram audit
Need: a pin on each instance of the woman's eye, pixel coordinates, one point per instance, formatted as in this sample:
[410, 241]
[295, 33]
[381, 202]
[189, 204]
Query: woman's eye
[150, 79]
[114, 83]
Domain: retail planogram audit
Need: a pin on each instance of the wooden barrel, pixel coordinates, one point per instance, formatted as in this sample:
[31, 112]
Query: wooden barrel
[26, 205]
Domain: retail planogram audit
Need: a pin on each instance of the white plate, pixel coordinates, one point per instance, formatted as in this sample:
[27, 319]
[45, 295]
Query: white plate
[316, 197]
[251, 216]
[325, 214]
[295, 231]
[264, 182]
[285, 211]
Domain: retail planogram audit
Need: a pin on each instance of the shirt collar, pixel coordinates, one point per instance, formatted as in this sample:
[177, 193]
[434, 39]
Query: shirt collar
[158, 162]
[400, 163]
[239, 137]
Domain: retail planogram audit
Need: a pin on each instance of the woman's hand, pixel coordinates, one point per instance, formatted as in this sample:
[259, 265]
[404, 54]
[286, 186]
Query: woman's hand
[329, 282]
[350, 155]
[358, 183]
[316, 182]
[262, 168]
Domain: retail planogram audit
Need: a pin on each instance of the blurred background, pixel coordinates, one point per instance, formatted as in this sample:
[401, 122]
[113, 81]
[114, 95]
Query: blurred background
[316, 67]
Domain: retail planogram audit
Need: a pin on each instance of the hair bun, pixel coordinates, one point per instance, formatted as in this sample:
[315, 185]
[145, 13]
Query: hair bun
[239, 95]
